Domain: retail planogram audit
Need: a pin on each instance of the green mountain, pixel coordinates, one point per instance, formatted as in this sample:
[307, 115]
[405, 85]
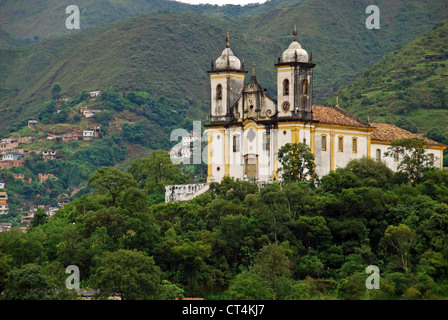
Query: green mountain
[167, 54]
[31, 21]
[408, 88]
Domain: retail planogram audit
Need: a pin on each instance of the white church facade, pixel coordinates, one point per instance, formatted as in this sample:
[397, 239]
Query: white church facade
[247, 127]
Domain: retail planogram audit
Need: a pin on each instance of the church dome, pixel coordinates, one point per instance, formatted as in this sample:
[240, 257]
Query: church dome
[295, 51]
[228, 60]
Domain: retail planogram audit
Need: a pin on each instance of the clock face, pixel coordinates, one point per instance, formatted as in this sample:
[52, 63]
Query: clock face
[285, 106]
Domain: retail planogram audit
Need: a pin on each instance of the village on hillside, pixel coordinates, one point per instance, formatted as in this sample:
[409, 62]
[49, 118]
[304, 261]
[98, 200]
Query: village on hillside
[42, 141]
[14, 152]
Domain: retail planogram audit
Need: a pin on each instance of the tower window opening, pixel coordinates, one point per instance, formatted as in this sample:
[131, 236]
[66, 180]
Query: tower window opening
[305, 86]
[285, 87]
[219, 92]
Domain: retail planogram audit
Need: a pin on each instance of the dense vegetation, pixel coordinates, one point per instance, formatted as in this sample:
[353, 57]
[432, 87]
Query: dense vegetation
[290, 241]
[407, 88]
[24, 22]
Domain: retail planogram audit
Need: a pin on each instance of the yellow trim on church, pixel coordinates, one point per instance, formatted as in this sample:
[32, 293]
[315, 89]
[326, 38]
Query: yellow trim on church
[387, 143]
[225, 76]
[332, 157]
[369, 143]
[343, 127]
[312, 129]
[226, 153]
[209, 158]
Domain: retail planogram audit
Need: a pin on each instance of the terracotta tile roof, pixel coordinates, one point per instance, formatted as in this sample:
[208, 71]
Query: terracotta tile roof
[389, 132]
[336, 115]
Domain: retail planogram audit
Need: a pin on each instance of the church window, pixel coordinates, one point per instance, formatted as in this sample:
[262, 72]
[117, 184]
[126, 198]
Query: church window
[305, 86]
[341, 144]
[378, 154]
[236, 143]
[285, 87]
[396, 156]
[219, 92]
[266, 142]
[324, 142]
[354, 145]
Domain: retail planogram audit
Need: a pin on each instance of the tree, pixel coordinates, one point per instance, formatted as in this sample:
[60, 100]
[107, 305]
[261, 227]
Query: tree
[401, 238]
[301, 198]
[131, 274]
[313, 231]
[28, 283]
[297, 162]
[77, 118]
[155, 172]
[272, 210]
[249, 286]
[40, 217]
[112, 180]
[415, 161]
[56, 91]
[273, 265]
[352, 287]
[4, 269]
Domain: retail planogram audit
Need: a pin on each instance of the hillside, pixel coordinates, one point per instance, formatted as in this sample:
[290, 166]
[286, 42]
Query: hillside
[168, 54]
[25, 22]
[71, 139]
[408, 88]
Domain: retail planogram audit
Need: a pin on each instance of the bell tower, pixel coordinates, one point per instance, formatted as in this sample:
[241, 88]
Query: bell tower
[295, 82]
[227, 77]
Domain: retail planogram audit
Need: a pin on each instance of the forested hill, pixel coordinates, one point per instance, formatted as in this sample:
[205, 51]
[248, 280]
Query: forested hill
[25, 21]
[408, 88]
[168, 54]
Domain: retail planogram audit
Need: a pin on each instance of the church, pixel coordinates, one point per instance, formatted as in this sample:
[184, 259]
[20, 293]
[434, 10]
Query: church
[247, 127]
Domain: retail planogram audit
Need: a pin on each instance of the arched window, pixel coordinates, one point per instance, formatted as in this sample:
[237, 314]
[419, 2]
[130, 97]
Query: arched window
[354, 145]
[304, 86]
[378, 154]
[219, 92]
[236, 143]
[266, 142]
[285, 87]
[396, 157]
[324, 142]
[341, 144]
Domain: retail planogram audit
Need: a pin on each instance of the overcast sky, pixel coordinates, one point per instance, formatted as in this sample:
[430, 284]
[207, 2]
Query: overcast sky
[222, 2]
